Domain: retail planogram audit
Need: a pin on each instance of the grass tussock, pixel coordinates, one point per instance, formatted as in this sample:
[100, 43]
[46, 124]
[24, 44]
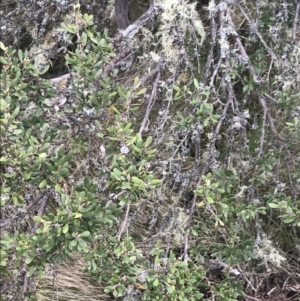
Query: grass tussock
[68, 282]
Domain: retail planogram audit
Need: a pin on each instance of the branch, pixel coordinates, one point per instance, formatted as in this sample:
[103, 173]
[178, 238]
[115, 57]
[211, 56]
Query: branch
[270, 119]
[209, 60]
[152, 98]
[218, 128]
[124, 222]
[41, 211]
[146, 77]
[186, 243]
[216, 268]
[272, 54]
[150, 14]
[296, 22]
[116, 60]
[7, 222]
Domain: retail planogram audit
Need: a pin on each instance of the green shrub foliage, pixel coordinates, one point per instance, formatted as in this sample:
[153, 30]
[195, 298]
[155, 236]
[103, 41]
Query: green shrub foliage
[77, 169]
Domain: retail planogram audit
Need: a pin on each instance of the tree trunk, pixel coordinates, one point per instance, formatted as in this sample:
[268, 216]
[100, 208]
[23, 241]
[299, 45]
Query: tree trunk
[122, 14]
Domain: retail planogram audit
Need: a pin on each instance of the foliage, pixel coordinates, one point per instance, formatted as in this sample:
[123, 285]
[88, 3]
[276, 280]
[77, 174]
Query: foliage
[145, 193]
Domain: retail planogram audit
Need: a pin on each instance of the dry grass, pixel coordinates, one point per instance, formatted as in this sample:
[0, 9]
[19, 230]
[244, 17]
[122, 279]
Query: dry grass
[68, 282]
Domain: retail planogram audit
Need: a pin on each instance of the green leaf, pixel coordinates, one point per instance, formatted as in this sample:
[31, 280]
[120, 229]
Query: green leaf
[188, 290]
[46, 68]
[155, 182]
[108, 289]
[20, 55]
[42, 155]
[38, 219]
[65, 228]
[83, 38]
[58, 188]
[209, 199]
[15, 112]
[3, 60]
[142, 91]
[136, 181]
[3, 104]
[2, 46]
[17, 132]
[196, 83]
[155, 282]
[85, 234]
[288, 220]
[122, 92]
[273, 205]
[30, 272]
[136, 81]
[43, 184]
[28, 260]
[182, 264]
[148, 141]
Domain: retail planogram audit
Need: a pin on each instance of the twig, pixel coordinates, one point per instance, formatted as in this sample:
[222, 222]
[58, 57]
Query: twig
[272, 54]
[186, 243]
[262, 138]
[296, 22]
[142, 21]
[270, 98]
[270, 119]
[151, 100]
[218, 128]
[209, 59]
[41, 211]
[251, 298]
[7, 222]
[57, 80]
[114, 61]
[115, 197]
[124, 222]
[144, 79]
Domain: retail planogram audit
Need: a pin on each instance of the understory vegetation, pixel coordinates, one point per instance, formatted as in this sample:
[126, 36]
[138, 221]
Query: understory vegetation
[163, 163]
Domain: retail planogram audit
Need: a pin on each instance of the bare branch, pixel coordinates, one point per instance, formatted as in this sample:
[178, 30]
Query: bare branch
[116, 60]
[151, 100]
[270, 119]
[295, 23]
[41, 211]
[139, 23]
[124, 222]
[272, 54]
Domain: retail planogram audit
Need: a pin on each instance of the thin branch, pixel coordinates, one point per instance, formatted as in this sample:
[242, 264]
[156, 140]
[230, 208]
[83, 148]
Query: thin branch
[270, 98]
[41, 211]
[7, 222]
[124, 222]
[270, 119]
[218, 128]
[295, 23]
[57, 80]
[272, 54]
[146, 77]
[151, 100]
[117, 59]
[186, 244]
[262, 137]
[209, 59]
[139, 23]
